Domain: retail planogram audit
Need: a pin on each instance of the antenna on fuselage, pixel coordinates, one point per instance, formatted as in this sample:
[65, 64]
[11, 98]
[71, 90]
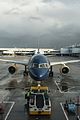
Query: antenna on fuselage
[38, 47]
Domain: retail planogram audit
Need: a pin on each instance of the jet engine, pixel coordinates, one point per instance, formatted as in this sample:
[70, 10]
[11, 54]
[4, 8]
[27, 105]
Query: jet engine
[64, 69]
[12, 69]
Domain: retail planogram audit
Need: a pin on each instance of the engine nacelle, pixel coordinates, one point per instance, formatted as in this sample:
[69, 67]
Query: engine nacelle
[12, 69]
[64, 69]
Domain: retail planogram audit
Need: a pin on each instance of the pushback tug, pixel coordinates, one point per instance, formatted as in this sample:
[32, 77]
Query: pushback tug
[38, 102]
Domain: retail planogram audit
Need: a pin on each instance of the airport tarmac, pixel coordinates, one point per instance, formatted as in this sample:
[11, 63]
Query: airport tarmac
[14, 100]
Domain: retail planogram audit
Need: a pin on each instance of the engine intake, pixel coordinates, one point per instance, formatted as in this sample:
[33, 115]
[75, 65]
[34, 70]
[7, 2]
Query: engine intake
[12, 69]
[64, 69]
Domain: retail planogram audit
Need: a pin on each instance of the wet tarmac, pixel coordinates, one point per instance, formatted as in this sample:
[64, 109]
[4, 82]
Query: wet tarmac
[14, 100]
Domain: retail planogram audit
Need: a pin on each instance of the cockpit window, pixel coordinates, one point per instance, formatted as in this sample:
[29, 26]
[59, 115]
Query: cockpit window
[35, 65]
[42, 65]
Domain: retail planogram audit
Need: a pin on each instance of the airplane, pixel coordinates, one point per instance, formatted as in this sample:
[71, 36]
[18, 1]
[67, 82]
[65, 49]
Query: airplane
[39, 67]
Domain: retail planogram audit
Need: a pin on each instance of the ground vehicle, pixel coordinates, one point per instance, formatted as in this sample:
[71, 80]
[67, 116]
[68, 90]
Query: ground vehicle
[70, 107]
[39, 89]
[39, 102]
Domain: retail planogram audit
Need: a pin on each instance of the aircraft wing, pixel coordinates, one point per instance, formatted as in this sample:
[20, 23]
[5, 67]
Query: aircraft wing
[64, 62]
[15, 62]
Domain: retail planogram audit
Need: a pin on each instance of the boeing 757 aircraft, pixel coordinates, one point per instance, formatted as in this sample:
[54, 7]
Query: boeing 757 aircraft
[39, 67]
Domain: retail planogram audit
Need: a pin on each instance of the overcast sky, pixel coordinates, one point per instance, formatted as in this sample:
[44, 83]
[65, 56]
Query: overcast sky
[55, 23]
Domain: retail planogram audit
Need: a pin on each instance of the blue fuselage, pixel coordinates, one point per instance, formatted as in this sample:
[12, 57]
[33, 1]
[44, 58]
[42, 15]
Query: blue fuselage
[39, 67]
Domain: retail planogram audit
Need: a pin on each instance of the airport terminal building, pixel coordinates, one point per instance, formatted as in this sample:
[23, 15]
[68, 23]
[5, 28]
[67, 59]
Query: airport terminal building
[73, 50]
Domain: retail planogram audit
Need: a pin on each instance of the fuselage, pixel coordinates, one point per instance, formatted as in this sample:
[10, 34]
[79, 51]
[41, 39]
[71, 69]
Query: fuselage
[39, 67]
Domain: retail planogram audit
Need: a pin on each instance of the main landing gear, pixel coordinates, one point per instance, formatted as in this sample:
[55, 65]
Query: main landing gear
[51, 72]
[25, 73]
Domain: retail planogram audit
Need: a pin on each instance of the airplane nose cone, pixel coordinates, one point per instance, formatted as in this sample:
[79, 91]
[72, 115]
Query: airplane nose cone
[39, 74]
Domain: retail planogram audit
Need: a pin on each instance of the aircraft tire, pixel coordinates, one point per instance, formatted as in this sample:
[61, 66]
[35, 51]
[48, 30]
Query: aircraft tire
[51, 74]
[25, 73]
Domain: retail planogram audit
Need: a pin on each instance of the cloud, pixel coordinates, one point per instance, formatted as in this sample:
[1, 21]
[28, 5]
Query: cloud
[35, 18]
[50, 21]
[13, 11]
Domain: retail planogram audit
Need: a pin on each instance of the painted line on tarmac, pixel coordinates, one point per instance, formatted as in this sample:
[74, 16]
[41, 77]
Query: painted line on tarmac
[64, 112]
[10, 102]
[60, 89]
